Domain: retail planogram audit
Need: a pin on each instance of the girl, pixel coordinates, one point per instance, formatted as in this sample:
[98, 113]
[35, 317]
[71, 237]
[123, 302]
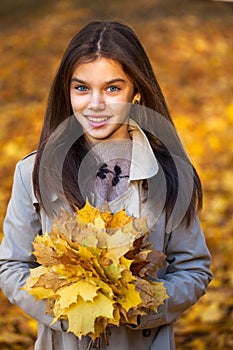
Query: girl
[108, 136]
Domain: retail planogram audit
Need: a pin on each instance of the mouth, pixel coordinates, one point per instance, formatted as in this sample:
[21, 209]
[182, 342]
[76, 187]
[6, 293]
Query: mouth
[97, 121]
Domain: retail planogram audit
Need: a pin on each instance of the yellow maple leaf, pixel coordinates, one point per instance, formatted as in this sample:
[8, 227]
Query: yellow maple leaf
[120, 219]
[69, 294]
[98, 222]
[104, 286]
[113, 271]
[87, 313]
[126, 262]
[160, 294]
[88, 213]
[129, 297]
[69, 272]
[127, 277]
[41, 293]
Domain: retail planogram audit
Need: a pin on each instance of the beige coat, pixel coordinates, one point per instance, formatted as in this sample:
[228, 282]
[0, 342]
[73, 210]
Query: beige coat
[186, 274]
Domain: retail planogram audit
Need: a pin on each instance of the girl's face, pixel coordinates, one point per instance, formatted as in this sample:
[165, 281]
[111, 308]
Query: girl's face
[98, 92]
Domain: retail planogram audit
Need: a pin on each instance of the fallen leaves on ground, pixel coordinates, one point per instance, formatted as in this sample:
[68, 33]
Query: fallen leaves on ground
[190, 46]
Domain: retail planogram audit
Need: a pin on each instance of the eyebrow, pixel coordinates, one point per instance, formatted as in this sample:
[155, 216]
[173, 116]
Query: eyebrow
[116, 80]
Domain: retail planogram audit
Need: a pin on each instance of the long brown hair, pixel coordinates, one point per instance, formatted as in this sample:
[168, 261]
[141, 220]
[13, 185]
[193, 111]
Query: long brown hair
[119, 42]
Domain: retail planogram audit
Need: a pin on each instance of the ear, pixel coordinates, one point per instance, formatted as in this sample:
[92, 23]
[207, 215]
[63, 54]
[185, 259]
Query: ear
[137, 98]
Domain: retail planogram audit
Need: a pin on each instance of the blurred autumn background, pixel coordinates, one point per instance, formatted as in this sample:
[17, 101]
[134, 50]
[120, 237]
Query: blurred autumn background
[190, 46]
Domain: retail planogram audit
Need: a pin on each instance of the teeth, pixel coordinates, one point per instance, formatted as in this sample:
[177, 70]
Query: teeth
[102, 119]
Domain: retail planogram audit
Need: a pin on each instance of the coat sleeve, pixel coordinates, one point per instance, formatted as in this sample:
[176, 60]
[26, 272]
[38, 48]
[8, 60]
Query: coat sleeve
[186, 275]
[21, 225]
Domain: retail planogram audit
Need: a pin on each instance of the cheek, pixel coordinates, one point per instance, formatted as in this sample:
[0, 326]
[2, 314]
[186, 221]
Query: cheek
[72, 101]
[77, 102]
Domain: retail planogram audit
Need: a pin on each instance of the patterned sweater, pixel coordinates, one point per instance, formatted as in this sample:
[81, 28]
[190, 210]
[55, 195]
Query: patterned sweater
[113, 170]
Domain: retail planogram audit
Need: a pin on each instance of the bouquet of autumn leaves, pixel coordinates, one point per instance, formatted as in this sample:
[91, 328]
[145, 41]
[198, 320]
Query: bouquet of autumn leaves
[96, 269]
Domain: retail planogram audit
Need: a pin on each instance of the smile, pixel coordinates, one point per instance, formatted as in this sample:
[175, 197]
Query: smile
[97, 119]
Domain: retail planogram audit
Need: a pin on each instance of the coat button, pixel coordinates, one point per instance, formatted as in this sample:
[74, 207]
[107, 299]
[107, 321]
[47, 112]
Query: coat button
[146, 332]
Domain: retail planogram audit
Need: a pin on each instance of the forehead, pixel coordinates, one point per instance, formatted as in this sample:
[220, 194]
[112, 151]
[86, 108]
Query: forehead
[100, 67]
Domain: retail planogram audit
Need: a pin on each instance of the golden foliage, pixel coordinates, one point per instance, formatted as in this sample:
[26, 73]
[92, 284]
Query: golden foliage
[97, 265]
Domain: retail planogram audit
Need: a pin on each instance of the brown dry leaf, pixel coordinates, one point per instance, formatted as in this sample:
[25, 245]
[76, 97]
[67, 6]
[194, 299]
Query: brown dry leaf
[155, 260]
[43, 250]
[137, 247]
[50, 306]
[153, 294]
[50, 281]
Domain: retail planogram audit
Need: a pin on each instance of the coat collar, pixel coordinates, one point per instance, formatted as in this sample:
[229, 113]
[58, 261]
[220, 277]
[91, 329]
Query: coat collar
[144, 165]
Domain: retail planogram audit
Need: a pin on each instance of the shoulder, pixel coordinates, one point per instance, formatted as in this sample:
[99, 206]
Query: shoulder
[23, 173]
[30, 157]
[26, 164]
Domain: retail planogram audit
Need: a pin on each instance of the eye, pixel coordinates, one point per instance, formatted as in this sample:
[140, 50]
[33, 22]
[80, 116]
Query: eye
[113, 88]
[81, 88]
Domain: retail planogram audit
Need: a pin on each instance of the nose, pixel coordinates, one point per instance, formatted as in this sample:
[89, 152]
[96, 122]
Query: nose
[96, 101]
